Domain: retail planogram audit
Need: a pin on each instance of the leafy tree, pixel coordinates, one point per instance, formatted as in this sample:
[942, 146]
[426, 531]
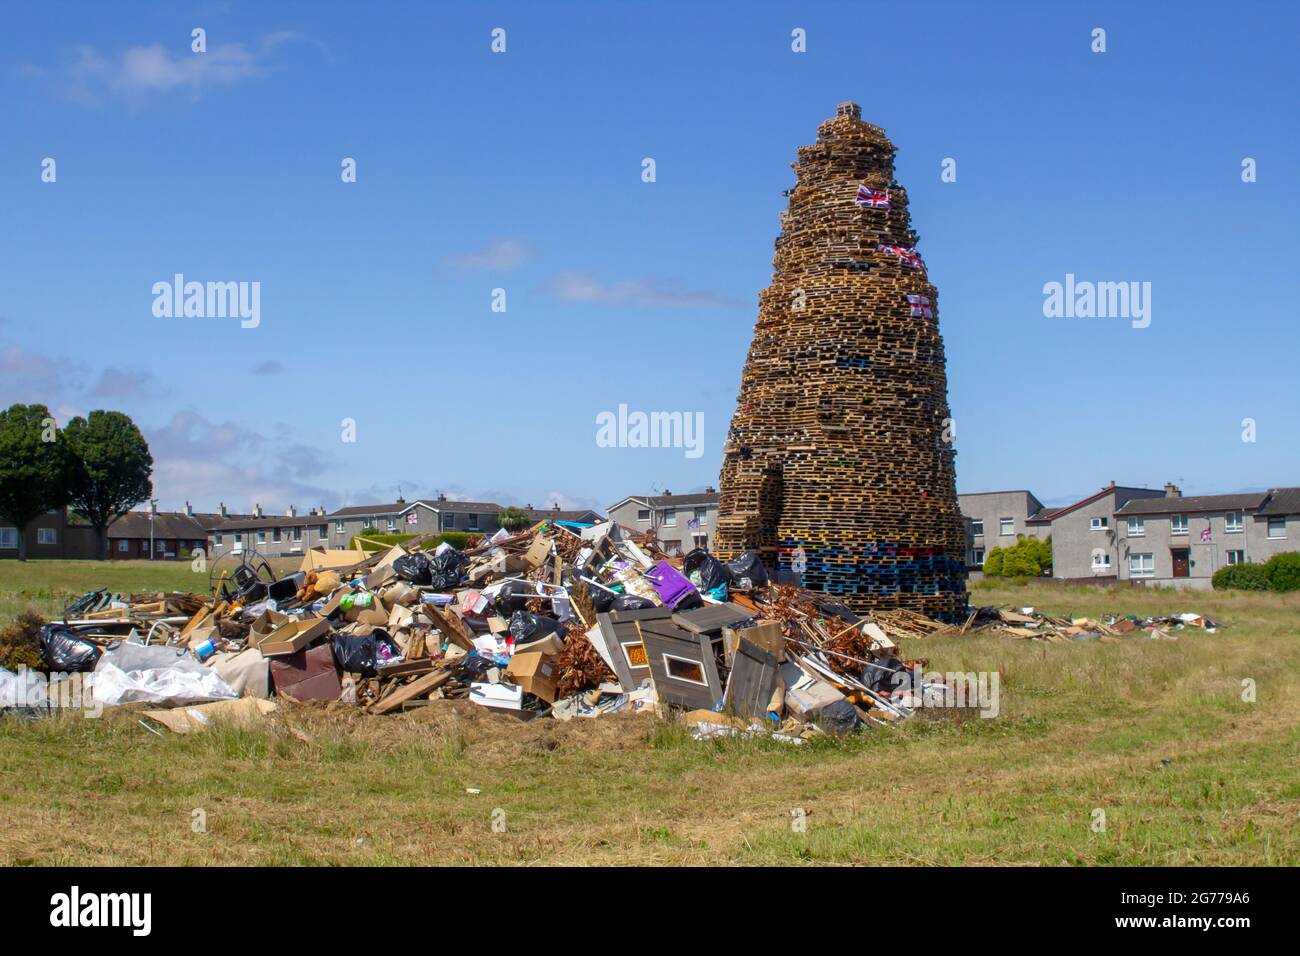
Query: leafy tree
[513, 519]
[34, 467]
[993, 563]
[111, 466]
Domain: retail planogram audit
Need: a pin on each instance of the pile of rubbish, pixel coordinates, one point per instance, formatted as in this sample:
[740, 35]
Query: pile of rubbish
[560, 620]
[1030, 624]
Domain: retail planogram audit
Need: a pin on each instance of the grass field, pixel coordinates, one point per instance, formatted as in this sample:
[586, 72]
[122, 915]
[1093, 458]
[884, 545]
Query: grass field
[1155, 734]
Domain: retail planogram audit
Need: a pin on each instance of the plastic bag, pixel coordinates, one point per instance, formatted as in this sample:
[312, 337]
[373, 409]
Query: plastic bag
[839, 717]
[630, 602]
[66, 653]
[446, 569]
[168, 676]
[601, 599]
[707, 573]
[363, 655]
[414, 568]
[512, 597]
[746, 572]
[525, 627]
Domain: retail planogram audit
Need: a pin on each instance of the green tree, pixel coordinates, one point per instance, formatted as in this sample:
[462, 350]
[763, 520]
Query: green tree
[1283, 571]
[513, 519]
[993, 563]
[34, 467]
[111, 466]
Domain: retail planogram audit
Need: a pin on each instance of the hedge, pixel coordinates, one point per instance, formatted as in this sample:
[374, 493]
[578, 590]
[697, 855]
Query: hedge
[460, 540]
[1279, 573]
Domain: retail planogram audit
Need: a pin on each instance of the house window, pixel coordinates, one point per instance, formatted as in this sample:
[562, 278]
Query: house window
[392, 525]
[123, 546]
[700, 540]
[1137, 527]
[160, 546]
[1006, 526]
[977, 527]
[8, 537]
[1232, 522]
[297, 534]
[275, 535]
[1178, 524]
[338, 528]
[448, 520]
[261, 537]
[1101, 562]
[473, 521]
[47, 536]
[1277, 527]
[1141, 565]
[1098, 524]
[1236, 557]
[670, 518]
[216, 539]
[977, 556]
[324, 531]
[643, 514]
[701, 515]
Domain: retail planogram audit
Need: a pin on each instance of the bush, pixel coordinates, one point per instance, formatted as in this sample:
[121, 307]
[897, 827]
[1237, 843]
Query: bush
[1241, 577]
[1283, 571]
[20, 644]
[993, 563]
[1027, 558]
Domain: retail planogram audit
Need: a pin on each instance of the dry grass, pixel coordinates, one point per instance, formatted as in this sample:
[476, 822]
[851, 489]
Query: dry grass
[1153, 733]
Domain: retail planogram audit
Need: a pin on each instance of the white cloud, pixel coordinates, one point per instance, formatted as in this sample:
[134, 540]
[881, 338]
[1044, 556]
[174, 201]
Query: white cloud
[140, 72]
[643, 293]
[499, 255]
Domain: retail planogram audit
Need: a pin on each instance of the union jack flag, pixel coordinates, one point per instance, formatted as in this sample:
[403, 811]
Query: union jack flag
[875, 198]
[919, 305]
[908, 254]
[1205, 535]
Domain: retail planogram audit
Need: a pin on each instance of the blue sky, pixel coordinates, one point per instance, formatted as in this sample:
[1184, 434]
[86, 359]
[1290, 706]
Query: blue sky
[522, 171]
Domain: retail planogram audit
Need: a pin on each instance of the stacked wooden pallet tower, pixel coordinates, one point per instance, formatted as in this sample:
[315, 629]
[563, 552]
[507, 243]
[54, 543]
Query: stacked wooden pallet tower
[838, 443]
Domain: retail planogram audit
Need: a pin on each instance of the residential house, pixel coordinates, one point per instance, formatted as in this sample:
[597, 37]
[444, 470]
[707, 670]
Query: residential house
[413, 517]
[1181, 541]
[287, 535]
[1084, 541]
[149, 535]
[680, 522]
[995, 519]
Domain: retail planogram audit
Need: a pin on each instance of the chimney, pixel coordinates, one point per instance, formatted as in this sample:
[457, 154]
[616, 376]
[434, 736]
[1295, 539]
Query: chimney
[667, 493]
[557, 506]
[257, 511]
[153, 507]
[400, 499]
[1172, 491]
[709, 489]
[529, 506]
[441, 496]
[189, 510]
[292, 512]
[223, 509]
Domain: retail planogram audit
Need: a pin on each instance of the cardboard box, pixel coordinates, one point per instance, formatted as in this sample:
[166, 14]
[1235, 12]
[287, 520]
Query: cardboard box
[308, 675]
[538, 552]
[805, 696]
[293, 637]
[536, 674]
[267, 622]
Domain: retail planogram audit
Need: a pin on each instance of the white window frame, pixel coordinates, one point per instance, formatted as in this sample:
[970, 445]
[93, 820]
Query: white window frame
[1137, 527]
[978, 556]
[216, 539]
[1103, 564]
[701, 516]
[643, 511]
[1234, 522]
[47, 535]
[392, 526]
[1281, 521]
[702, 682]
[1182, 525]
[1098, 523]
[977, 527]
[1144, 568]
[340, 527]
[261, 537]
[9, 538]
[1006, 527]
[700, 540]
[124, 546]
[670, 517]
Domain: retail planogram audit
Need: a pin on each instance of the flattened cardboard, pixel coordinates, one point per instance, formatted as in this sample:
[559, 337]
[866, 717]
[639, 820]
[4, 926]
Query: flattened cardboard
[538, 552]
[320, 558]
[183, 720]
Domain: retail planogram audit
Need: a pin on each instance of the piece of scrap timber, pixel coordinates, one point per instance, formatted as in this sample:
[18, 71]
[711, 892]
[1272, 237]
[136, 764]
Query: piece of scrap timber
[416, 688]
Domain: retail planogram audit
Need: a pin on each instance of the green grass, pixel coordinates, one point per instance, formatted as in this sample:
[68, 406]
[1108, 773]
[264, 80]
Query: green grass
[1155, 734]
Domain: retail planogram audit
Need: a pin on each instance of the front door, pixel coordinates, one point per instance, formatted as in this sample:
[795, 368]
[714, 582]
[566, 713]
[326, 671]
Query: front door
[1180, 562]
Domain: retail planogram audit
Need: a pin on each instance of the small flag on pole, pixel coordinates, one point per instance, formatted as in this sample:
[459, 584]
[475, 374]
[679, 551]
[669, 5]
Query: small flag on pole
[920, 305]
